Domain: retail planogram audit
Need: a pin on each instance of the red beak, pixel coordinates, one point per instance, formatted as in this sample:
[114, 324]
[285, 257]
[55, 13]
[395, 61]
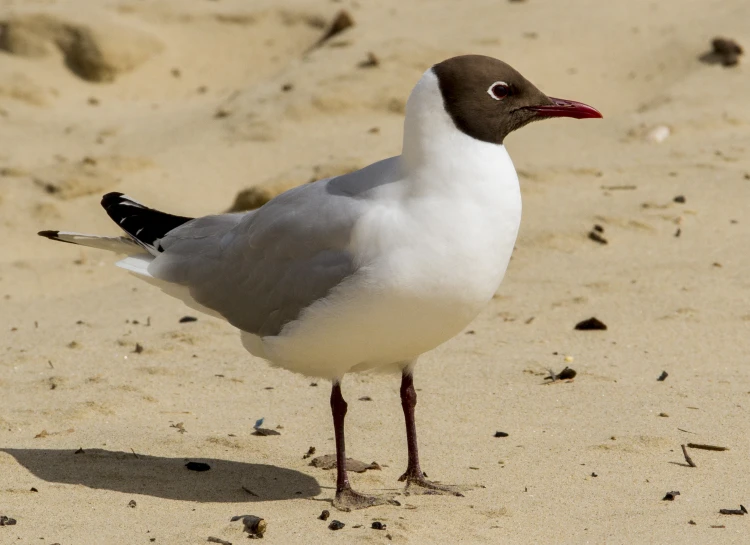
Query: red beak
[566, 108]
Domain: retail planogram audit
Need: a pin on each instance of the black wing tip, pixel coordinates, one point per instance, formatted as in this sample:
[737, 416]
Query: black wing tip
[145, 225]
[111, 198]
[53, 235]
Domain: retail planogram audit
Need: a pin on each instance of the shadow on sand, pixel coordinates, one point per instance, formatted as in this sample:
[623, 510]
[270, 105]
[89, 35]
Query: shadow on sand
[167, 477]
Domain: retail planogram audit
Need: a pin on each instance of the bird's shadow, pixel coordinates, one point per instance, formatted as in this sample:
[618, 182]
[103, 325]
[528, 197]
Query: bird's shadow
[227, 481]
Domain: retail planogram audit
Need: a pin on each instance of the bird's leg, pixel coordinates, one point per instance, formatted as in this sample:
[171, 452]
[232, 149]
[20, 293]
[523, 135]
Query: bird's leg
[346, 499]
[415, 478]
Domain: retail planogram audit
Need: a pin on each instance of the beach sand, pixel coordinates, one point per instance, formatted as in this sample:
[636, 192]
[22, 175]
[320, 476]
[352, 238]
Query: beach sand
[105, 395]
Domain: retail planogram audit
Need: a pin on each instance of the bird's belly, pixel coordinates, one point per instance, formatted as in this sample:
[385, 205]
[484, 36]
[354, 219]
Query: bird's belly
[401, 304]
[366, 329]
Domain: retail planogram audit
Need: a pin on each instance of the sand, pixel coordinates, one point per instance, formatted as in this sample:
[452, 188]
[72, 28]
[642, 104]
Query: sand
[182, 105]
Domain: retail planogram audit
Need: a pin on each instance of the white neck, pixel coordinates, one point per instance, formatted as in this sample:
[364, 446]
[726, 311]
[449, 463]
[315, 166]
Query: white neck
[437, 153]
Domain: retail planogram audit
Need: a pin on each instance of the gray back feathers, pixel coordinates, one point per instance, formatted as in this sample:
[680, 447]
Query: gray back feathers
[259, 270]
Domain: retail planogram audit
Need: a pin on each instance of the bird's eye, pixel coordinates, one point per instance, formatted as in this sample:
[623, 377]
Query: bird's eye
[499, 90]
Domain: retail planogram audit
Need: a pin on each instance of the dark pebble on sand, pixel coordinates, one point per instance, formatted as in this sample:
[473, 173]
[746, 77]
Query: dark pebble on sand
[254, 526]
[566, 374]
[726, 50]
[501, 434]
[370, 62]
[592, 324]
[336, 525]
[340, 22]
[188, 319]
[597, 237]
[377, 525]
[265, 432]
[325, 514]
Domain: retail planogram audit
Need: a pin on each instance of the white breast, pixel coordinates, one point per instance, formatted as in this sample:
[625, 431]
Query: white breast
[432, 249]
[429, 265]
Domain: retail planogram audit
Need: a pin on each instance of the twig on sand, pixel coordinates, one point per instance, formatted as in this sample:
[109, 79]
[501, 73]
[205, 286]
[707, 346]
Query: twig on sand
[687, 457]
[212, 539]
[706, 447]
[740, 511]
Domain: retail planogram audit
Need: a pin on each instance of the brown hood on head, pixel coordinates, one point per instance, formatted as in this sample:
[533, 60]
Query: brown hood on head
[467, 84]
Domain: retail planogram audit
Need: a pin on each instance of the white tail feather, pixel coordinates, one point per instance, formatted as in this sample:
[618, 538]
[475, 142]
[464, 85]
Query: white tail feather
[120, 245]
[137, 264]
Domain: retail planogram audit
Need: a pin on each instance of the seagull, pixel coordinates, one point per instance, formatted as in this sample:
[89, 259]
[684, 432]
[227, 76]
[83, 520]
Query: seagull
[367, 270]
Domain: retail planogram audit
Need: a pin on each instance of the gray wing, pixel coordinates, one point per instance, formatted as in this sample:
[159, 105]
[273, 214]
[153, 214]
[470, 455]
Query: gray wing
[259, 270]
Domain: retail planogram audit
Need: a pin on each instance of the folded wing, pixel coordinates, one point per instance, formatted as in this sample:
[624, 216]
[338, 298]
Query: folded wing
[261, 269]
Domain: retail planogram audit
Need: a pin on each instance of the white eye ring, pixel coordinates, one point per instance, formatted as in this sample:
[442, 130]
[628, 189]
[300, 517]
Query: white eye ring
[501, 84]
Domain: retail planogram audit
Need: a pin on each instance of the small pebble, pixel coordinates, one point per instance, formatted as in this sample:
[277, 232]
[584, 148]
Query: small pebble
[370, 62]
[325, 514]
[254, 526]
[377, 525]
[592, 324]
[336, 525]
[566, 374]
[658, 134]
[597, 237]
[501, 434]
[726, 50]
